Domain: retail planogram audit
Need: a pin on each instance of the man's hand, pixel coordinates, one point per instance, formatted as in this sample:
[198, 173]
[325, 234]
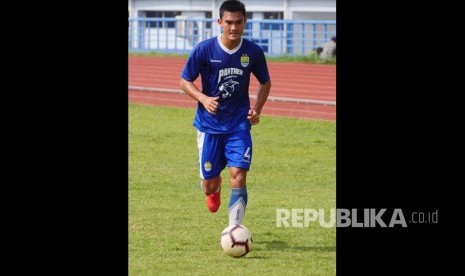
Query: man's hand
[211, 104]
[254, 117]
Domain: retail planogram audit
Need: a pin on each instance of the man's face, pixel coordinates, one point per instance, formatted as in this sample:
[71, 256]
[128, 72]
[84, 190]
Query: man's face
[233, 24]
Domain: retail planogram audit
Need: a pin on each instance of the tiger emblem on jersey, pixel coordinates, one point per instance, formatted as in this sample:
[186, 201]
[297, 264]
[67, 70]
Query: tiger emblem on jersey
[227, 88]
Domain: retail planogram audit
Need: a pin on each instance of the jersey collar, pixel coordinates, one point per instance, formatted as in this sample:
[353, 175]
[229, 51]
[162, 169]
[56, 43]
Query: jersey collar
[232, 51]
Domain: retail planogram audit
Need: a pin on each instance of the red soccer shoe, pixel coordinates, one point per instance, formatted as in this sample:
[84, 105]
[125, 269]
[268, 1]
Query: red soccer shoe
[214, 201]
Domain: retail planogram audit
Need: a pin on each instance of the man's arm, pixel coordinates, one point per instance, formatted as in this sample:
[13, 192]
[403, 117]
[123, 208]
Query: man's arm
[210, 103]
[262, 96]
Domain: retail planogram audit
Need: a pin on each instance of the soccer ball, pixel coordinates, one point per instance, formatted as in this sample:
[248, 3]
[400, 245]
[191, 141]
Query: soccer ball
[236, 240]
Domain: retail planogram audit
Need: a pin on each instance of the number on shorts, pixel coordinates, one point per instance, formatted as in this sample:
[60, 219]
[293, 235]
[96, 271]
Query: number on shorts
[247, 153]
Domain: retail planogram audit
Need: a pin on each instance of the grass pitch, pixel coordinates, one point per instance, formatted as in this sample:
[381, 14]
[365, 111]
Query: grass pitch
[171, 231]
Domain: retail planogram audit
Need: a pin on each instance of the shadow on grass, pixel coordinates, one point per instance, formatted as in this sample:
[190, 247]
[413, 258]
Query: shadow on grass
[255, 257]
[281, 246]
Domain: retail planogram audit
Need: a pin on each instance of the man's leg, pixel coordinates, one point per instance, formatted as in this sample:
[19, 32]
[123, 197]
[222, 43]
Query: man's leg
[212, 162]
[212, 188]
[239, 157]
[238, 199]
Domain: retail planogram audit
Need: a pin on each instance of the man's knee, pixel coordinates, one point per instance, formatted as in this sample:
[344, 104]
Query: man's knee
[210, 186]
[238, 177]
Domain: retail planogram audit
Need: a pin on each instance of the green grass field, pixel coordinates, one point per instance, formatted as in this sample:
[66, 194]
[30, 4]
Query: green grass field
[171, 231]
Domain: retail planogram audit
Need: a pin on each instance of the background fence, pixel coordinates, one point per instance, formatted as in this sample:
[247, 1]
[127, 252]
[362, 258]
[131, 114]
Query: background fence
[276, 37]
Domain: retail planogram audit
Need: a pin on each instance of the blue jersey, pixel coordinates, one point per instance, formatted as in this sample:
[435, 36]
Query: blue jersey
[225, 73]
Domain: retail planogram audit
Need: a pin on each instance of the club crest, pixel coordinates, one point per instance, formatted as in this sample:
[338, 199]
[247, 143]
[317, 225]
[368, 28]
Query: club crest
[245, 60]
[208, 166]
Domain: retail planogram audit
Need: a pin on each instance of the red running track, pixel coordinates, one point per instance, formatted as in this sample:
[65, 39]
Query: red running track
[299, 90]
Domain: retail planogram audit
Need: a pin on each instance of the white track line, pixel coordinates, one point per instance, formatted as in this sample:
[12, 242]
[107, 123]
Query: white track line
[271, 98]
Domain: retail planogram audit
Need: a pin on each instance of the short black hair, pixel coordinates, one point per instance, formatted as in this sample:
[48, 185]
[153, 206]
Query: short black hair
[232, 6]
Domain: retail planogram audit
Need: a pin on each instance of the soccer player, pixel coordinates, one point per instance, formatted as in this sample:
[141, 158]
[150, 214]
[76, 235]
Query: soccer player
[224, 116]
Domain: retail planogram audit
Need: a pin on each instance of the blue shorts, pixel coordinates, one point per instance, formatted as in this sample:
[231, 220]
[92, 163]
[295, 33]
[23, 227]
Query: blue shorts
[218, 150]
